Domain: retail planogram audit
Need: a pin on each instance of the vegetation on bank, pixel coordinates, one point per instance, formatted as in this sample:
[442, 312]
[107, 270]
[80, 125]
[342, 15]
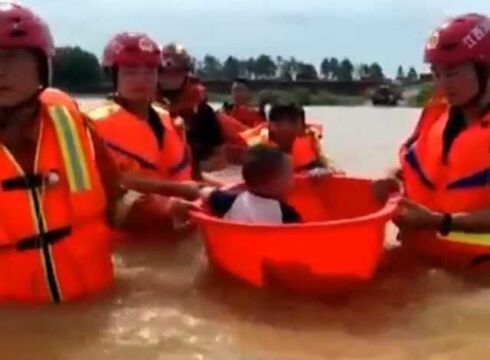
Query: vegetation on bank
[301, 96]
[75, 67]
[280, 68]
[422, 97]
[78, 70]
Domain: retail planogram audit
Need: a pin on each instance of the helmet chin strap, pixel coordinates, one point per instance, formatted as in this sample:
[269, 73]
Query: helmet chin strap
[485, 97]
[483, 75]
[8, 113]
[176, 90]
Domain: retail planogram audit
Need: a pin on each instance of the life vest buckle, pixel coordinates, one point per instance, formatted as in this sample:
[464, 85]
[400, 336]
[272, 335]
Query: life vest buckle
[31, 181]
[36, 242]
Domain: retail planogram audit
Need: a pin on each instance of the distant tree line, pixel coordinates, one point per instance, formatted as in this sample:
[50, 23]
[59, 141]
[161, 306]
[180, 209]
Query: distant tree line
[75, 68]
[266, 67]
[411, 75]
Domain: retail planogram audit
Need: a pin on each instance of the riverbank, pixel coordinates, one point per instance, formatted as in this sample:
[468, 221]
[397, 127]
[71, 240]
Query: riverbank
[301, 96]
[413, 97]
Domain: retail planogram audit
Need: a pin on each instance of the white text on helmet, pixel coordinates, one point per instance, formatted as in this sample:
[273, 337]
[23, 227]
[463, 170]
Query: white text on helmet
[477, 34]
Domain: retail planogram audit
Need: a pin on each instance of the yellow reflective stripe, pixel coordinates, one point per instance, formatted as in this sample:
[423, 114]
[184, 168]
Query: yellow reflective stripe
[71, 148]
[103, 112]
[469, 238]
[255, 141]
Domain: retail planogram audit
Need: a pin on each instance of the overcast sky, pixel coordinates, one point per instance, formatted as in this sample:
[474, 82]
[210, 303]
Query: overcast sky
[390, 32]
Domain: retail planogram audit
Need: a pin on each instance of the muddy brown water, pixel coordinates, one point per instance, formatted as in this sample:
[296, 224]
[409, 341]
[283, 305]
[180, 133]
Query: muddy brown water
[168, 305]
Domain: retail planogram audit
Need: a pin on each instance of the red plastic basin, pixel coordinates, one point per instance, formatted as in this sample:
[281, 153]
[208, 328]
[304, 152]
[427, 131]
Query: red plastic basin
[338, 246]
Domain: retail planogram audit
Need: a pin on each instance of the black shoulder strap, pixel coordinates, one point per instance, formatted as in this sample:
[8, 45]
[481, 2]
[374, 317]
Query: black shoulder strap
[157, 126]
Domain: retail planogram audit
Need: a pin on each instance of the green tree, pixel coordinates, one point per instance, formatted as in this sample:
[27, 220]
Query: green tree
[412, 74]
[346, 69]
[265, 67]
[400, 74]
[283, 70]
[376, 72]
[292, 66]
[326, 69]
[363, 71]
[250, 66]
[306, 72]
[74, 68]
[334, 68]
[280, 62]
[231, 68]
[211, 67]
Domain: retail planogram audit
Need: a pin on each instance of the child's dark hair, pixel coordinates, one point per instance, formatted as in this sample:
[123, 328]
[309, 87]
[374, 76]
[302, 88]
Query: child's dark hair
[262, 162]
[281, 112]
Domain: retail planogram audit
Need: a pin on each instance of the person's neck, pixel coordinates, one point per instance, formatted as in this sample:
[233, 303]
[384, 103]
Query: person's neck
[171, 94]
[20, 117]
[286, 146]
[138, 108]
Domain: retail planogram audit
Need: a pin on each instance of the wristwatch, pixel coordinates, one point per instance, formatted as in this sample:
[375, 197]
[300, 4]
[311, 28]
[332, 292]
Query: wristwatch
[446, 224]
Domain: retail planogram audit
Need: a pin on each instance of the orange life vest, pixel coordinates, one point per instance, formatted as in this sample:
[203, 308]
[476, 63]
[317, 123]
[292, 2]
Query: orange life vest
[55, 243]
[247, 115]
[135, 146]
[435, 107]
[236, 147]
[306, 151]
[459, 183]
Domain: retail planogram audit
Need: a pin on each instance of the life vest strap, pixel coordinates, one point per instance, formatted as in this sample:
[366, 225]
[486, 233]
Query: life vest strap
[185, 161]
[27, 182]
[478, 179]
[143, 162]
[37, 241]
[413, 161]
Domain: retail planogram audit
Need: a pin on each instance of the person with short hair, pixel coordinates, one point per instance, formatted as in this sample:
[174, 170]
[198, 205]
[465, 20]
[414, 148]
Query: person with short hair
[288, 131]
[241, 107]
[268, 176]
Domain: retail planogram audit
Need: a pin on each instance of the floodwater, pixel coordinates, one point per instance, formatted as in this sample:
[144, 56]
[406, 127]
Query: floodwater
[168, 305]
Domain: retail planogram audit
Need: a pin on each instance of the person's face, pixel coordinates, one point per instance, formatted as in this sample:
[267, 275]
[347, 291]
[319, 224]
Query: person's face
[280, 185]
[137, 83]
[240, 93]
[172, 79]
[19, 76]
[286, 130]
[458, 83]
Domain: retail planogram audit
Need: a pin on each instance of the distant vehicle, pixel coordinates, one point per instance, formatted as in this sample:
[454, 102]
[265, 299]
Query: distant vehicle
[386, 95]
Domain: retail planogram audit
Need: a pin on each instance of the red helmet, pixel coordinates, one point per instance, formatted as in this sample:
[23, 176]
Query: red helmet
[176, 58]
[131, 49]
[21, 28]
[464, 38]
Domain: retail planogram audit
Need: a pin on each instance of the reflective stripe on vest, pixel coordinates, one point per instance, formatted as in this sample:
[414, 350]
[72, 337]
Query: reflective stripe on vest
[256, 136]
[71, 148]
[469, 238]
